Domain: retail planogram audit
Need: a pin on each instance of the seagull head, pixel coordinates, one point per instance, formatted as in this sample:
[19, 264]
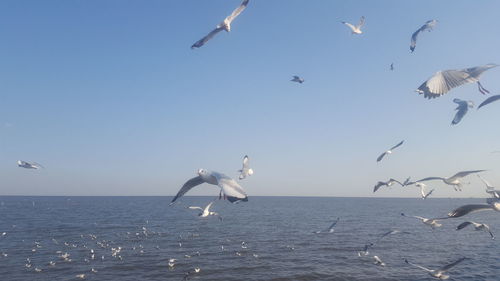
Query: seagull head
[250, 172]
[202, 172]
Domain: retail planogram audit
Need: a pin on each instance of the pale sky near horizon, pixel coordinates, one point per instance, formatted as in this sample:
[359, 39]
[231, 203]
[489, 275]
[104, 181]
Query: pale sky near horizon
[110, 98]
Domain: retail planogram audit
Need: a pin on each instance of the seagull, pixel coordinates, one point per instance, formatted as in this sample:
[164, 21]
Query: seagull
[297, 79]
[430, 222]
[231, 189]
[477, 226]
[489, 100]
[422, 190]
[378, 261]
[356, 29]
[28, 165]
[489, 188]
[453, 180]
[443, 81]
[462, 108]
[429, 25]
[438, 273]
[224, 25]
[197, 269]
[392, 66]
[245, 170]
[204, 212]
[466, 209]
[330, 229]
[389, 151]
[387, 183]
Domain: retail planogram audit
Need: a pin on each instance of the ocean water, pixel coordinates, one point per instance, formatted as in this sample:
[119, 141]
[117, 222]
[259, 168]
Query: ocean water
[277, 231]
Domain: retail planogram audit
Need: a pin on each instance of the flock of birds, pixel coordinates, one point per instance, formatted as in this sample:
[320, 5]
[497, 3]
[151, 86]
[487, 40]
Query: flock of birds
[437, 85]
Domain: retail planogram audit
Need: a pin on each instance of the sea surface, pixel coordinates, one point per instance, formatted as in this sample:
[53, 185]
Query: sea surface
[278, 235]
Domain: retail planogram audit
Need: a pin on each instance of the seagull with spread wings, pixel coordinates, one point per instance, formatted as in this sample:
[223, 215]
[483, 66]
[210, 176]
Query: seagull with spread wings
[422, 190]
[389, 151]
[477, 227]
[205, 212]
[28, 165]
[297, 79]
[245, 170]
[356, 29]
[430, 222]
[453, 180]
[388, 183]
[443, 81]
[232, 191]
[429, 25]
[438, 273]
[462, 108]
[224, 25]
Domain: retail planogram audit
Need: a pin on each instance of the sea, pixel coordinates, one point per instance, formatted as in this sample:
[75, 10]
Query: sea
[266, 238]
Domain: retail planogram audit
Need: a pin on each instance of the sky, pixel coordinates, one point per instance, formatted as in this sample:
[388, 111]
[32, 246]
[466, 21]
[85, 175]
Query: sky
[109, 97]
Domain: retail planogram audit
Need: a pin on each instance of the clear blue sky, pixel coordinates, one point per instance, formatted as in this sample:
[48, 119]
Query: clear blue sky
[109, 97]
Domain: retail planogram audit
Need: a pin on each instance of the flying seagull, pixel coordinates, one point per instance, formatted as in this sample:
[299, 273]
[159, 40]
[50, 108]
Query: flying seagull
[378, 261]
[466, 209]
[297, 79]
[462, 108]
[330, 229]
[477, 226]
[429, 25]
[430, 222]
[453, 180]
[28, 165]
[389, 151]
[205, 212]
[422, 190]
[443, 81]
[489, 100]
[438, 273]
[245, 170]
[387, 183]
[356, 29]
[224, 25]
[230, 188]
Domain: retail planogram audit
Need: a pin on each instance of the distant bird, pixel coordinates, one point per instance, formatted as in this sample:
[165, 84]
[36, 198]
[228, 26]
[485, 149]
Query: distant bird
[470, 208]
[429, 25]
[392, 66]
[422, 190]
[224, 25]
[197, 269]
[387, 183]
[489, 100]
[205, 212]
[443, 81]
[453, 180]
[477, 227]
[430, 222]
[28, 165]
[297, 79]
[438, 273]
[330, 229]
[230, 188]
[378, 261]
[356, 29]
[462, 108]
[245, 170]
[365, 252]
[389, 151]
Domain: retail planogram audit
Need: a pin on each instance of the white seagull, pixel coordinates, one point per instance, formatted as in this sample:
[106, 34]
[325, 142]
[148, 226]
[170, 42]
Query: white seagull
[378, 261]
[387, 183]
[205, 212]
[430, 222]
[489, 188]
[429, 25]
[453, 180]
[389, 151]
[443, 81]
[28, 165]
[438, 273]
[477, 226]
[356, 29]
[297, 79]
[224, 25]
[422, 190]
[462, 108]
[230, 188]
[245, 170]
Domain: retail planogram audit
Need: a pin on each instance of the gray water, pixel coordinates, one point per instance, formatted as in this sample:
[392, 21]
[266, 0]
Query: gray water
[278, 232]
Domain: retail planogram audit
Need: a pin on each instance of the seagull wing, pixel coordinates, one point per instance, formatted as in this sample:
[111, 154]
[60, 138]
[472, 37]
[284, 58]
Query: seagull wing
[465, 209]
[414, 36]
[361, 22]
[397, 145]
[489, 100]
[233, 191]
[462, 109]
[429, 193]
[237, 11]
[195, 208]
[207, 208]
[444, 81]
[333, 224]
[419, 266]
[187, 186]
[381, 156]
[205, 39]
[430, 179]
[378, 185]
[449, 266]
[393, 180]
[352, 27]
[463, 174]
[488, 185]
[463, 225]
[245, 162]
